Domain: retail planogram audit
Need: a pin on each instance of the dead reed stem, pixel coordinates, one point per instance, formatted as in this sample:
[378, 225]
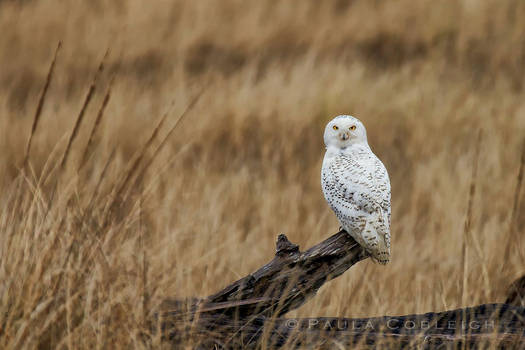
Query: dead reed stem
[96, 125]
[512, 240]
[83, 110]
[468, 221]
[136, 163]
[190, 106]
[40, 105]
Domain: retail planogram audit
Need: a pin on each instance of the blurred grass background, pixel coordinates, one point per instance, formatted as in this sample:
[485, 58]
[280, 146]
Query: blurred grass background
[82, 265]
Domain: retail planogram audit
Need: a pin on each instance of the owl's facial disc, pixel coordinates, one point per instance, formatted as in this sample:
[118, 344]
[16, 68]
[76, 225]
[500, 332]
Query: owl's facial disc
[343, 131]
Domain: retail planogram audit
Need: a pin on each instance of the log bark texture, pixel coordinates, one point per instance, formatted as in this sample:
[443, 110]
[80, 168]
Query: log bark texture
[248, 313]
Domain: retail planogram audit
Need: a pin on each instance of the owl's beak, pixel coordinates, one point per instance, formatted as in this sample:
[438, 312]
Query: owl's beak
[344, 136]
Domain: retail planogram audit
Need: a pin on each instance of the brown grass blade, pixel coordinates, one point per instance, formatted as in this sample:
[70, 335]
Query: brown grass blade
[512, 239]
[190, 106]
[75, 129]
[83, 110]
[138, 159]
[144, 277]
[468, 220]
[74, 133]
[96, 125]
[100, 180]
[40, 105]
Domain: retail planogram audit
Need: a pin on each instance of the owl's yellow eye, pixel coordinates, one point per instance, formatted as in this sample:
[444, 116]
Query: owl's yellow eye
[352, 127]
[335, 127]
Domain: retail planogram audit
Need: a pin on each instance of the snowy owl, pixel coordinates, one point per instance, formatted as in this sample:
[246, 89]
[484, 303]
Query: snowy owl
[356, 186]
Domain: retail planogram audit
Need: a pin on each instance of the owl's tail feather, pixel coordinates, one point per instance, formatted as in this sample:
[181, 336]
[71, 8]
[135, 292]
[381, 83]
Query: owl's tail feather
[381, 258]
[376, 244]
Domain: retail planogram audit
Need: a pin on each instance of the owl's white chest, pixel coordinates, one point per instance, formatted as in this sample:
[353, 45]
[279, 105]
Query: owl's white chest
[354, 182]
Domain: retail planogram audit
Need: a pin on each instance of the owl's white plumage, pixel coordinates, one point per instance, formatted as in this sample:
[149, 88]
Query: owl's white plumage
[356, 186]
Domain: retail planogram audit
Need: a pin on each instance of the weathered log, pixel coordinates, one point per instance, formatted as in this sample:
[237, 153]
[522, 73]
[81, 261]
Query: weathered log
[490, 325]
[496, 324]
[292, 277]
[248, 312]
[516, 292]
[287, 281]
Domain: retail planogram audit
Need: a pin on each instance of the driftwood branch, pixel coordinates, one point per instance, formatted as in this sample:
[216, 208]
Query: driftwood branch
[291, 278]
[249, 312]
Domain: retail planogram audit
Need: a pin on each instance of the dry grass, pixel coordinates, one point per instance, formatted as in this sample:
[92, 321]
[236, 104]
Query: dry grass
[87, 253]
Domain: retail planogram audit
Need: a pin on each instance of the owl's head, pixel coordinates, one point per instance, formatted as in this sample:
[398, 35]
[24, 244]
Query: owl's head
[343, 131]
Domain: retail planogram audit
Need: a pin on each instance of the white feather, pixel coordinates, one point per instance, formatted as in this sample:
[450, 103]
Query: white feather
[356, 186]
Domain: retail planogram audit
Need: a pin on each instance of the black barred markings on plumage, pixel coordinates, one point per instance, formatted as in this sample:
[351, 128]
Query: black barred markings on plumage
[356, 186]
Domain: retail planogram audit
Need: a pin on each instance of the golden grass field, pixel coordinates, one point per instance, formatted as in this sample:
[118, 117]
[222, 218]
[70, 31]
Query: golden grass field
[89, 249]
